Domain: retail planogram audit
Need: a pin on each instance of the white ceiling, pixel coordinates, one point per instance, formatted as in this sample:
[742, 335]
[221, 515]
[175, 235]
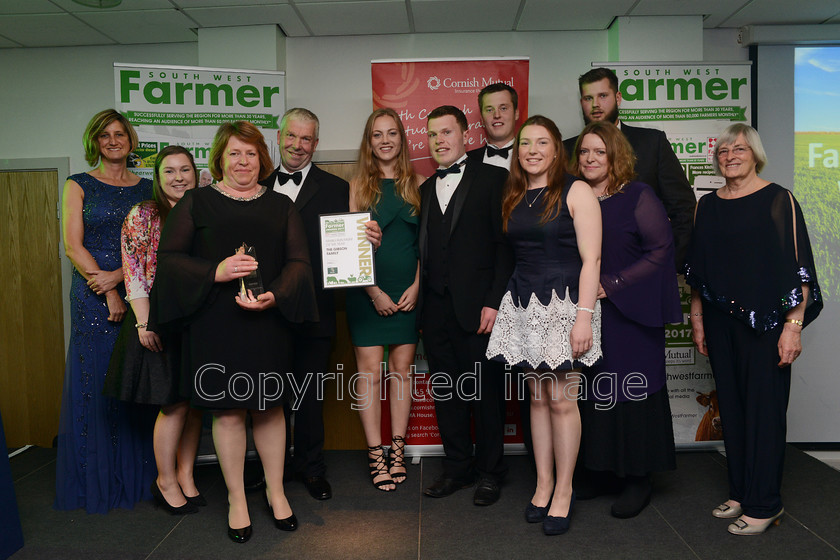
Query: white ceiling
[53, 23]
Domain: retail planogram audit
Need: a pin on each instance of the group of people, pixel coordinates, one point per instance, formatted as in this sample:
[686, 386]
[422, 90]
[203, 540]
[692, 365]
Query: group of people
[556, 258]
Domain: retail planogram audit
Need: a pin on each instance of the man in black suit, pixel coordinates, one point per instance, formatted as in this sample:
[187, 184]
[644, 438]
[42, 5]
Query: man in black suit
[656, 163]
[465, 264]
[314, 192]
[499, 107]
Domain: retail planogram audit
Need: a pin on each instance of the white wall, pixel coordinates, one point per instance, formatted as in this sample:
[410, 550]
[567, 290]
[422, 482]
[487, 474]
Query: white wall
[331, 75]
[49, 95]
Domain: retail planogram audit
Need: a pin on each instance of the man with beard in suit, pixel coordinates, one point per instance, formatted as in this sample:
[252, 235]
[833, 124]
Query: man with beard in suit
[499, 107]
[656, 163]
[314, 192]
[465, 263]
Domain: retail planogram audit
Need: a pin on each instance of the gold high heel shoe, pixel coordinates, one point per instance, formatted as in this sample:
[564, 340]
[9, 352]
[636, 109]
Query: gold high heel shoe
[724, 511]
[741, 527]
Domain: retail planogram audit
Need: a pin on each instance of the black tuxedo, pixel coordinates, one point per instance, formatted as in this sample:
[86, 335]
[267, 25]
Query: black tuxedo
[321, 193]
[658, 166]
[466, 249]
[478, 154]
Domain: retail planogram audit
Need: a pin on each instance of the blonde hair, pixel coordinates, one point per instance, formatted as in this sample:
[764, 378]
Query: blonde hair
[367, 191]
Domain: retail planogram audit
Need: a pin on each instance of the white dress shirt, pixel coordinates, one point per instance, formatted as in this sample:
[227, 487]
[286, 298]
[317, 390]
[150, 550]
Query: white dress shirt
[289, 188]
[445, 187]
[497, 160]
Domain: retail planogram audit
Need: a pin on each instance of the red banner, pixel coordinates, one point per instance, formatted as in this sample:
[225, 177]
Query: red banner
[414, 87]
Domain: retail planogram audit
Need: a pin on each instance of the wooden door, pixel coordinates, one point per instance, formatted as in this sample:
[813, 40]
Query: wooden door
[31, 325]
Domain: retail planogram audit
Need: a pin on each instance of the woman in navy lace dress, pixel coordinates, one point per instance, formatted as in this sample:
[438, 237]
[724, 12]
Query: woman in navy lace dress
[105, 457]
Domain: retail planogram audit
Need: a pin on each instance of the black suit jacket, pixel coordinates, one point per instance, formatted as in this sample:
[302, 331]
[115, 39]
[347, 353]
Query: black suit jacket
[658, 166]
[321, 193]
[479, 258]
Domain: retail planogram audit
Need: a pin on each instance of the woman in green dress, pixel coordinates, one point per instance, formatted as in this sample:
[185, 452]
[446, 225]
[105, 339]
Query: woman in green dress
[383, 315]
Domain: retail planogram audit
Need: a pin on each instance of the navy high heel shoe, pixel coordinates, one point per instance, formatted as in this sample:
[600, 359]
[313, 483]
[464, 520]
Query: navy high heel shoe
[558, 525]
[535, 514]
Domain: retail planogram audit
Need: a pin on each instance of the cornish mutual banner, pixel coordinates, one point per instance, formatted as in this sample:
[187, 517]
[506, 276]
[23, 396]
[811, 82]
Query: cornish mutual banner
[185, 105]
[692, 104]
[413, 87]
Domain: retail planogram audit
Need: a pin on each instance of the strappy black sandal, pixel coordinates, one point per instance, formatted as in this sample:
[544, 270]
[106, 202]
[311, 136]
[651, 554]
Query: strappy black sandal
[398, 459]
[378, 465]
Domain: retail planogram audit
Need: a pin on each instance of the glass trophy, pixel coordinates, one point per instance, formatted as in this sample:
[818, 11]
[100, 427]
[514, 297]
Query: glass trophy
[253, 281]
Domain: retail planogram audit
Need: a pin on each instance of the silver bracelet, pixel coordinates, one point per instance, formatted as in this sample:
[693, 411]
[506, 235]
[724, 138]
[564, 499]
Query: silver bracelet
[586, 309]
[377, 296]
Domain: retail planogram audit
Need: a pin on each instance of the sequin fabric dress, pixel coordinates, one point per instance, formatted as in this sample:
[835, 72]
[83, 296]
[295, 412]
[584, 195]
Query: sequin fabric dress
[105, 458]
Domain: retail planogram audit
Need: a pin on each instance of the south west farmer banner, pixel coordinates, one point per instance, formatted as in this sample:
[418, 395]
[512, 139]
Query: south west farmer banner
[185, 105]
[413, 87]
[692, 103]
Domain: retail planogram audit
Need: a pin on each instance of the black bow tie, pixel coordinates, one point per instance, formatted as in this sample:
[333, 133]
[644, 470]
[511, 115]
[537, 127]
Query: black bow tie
[454, 168]
[494, 151]
[283, 178]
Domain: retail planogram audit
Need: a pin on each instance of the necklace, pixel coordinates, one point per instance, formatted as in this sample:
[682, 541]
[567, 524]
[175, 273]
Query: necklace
[531, 203]
[239, 198]
[605, 196]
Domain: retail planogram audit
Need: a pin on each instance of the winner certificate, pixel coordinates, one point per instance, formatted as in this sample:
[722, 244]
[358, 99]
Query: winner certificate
[346, 253]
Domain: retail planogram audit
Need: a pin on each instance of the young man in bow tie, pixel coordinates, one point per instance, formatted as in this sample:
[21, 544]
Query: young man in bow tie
[465, 265]
[499, 107]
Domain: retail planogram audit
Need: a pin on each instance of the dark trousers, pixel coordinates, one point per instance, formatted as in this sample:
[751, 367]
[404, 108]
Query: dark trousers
[753, 396]
[311, 356]
[455, 352]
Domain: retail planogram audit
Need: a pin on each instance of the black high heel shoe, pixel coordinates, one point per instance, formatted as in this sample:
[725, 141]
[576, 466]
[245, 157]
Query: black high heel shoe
[553, 525]
[189, 507]
[198, 500]
[240, 536]
[397, 459]
[288, 524]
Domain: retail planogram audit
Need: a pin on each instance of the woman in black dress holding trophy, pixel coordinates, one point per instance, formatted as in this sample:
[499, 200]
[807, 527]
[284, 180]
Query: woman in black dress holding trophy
[235, 344]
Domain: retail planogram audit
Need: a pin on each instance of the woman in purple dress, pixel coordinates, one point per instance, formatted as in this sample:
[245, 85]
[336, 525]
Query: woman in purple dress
[626, 417]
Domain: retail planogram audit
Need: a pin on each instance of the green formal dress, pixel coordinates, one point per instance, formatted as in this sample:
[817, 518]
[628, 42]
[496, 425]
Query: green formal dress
[396, 266]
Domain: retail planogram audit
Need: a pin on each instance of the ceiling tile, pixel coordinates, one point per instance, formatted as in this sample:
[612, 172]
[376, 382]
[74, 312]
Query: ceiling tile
[355, 18]
[548, 15]
[770, 12]
[148, 26]
[282, 15]
[432, 16]
[29, 7]
[6, 43]
[50, 30]
[124, 6]
[715, 11]
[225, 3]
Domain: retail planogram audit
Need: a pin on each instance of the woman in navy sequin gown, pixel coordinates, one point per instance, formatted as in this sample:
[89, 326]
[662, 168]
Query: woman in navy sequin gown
[753, 289]
[105, 458]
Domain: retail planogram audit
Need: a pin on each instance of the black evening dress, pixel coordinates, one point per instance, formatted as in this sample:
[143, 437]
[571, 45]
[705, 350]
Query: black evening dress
[232, 358]
[538, 310]
[748, 260]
